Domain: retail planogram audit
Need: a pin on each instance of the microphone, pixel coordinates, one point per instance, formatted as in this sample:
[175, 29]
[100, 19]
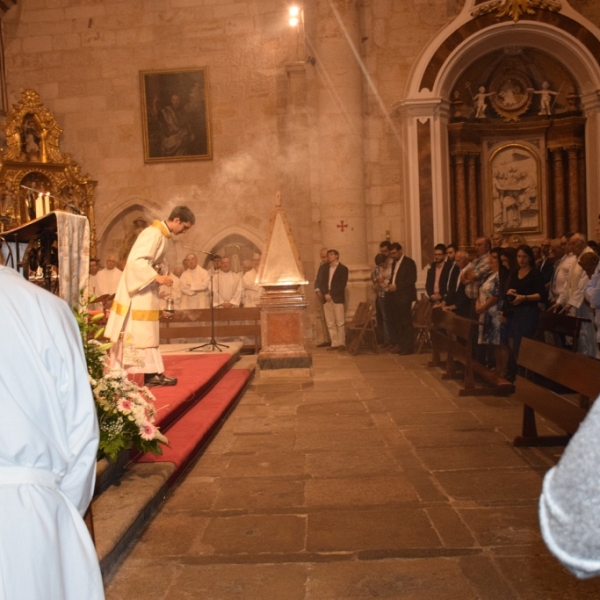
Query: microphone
[199, 250]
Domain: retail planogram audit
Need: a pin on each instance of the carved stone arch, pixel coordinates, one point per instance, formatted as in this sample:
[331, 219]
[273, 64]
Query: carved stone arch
[425, 110]
[119, 224]
[236, 242]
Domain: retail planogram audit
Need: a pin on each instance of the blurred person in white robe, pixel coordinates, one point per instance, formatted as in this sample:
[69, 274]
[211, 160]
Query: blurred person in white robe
[194, 284]
[251, 291]
[135, 311]
[48, 446]
[227, 286]
[108, 278]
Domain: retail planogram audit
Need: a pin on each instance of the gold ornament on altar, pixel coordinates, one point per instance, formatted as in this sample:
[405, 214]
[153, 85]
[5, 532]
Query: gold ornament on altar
[515, 9]
[35, 176]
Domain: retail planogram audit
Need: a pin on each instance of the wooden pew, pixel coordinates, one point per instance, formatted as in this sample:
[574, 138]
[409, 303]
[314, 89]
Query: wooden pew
[456, 336]
[229, 322]
[576, 372]
[559, 326]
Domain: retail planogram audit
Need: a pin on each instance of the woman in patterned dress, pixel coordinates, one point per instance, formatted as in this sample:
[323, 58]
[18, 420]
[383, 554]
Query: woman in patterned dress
[488, 307]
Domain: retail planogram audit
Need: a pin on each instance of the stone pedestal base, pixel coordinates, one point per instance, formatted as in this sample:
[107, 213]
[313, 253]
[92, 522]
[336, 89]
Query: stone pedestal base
[282, 333]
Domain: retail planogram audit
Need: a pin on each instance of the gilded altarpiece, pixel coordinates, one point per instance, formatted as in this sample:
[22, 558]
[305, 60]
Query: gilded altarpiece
[516, 139]
[35, 176]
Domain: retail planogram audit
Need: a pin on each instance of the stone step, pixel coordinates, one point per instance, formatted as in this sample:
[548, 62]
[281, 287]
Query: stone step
[124, 509]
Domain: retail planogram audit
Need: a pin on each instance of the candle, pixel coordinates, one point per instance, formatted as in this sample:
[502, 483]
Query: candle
[47, 203]
[39, 206]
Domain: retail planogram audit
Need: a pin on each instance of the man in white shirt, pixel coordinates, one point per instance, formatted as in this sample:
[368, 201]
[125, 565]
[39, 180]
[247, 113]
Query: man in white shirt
[194, 284]
[251, 290]
[571, 299]
[227, 286]
[562, 265]
[108, 278]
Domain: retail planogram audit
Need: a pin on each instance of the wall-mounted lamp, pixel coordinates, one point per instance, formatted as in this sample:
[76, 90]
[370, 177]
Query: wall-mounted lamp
[296, 19]
[294, 16]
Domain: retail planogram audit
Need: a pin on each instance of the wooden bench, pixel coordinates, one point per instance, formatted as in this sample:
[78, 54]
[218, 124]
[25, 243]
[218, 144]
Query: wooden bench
[229, 322]
[559, 326]
[577, 373]
[456, 337]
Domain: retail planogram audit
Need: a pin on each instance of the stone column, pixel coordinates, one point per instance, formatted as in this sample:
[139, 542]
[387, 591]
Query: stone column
[474, 232]
[462, 231]
[559, 192]
[573, 165]
[340, 124]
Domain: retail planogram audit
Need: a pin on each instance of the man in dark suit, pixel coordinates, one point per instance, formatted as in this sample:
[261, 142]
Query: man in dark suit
[456, 299]
[546, 267]
[332, 283]
[399, 298]
[436, 281]
[324, 266]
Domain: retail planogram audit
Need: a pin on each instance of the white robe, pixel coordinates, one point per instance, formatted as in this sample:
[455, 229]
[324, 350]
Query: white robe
[107, 281]
[48, 445]
[136, 305]
[194, 288]
[227, 288]
[251, 290]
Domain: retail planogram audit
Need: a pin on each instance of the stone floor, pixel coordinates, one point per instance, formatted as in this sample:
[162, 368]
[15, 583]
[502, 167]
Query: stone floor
[372, 480]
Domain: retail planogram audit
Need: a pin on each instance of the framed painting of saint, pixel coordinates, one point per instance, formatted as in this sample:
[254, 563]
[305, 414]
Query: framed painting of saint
[175, 115]
[516, 190]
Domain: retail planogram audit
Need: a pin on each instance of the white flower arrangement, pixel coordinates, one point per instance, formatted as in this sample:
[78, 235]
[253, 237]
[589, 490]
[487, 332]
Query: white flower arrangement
[126, 413]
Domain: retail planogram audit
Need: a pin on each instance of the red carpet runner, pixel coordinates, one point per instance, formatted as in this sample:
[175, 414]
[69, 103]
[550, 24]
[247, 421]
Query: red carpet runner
[189, 412]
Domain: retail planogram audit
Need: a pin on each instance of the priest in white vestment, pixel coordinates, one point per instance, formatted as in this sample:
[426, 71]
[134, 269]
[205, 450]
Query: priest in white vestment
[194, 284]
[227, 286]
[108, 278]
[136, 310]
[48, 445]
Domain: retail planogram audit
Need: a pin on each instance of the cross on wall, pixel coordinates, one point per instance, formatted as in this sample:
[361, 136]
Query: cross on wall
[342, 226]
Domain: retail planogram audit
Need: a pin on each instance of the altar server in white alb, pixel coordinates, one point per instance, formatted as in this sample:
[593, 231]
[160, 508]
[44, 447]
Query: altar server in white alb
[108, 278]
[135, 310]
[227, 286]
[48, 445]
[194, 284]
[251, 291]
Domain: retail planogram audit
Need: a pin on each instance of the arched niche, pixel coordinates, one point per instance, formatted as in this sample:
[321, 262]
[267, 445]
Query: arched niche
[426, 111]
[122, 227]
[237, 244]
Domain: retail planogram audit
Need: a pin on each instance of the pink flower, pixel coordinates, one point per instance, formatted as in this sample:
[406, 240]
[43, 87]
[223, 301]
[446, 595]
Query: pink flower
[124, 405]
[147, 431]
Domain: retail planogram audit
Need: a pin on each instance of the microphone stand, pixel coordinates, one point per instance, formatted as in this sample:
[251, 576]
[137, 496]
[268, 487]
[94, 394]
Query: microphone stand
[212, 344]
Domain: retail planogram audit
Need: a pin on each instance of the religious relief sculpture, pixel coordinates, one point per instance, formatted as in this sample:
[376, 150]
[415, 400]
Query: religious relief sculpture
[515, 9]
[513, 95]
[515, 179]
[35, 176]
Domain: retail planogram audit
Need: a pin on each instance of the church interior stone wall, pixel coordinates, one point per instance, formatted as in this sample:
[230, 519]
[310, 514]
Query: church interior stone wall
[271, 90]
